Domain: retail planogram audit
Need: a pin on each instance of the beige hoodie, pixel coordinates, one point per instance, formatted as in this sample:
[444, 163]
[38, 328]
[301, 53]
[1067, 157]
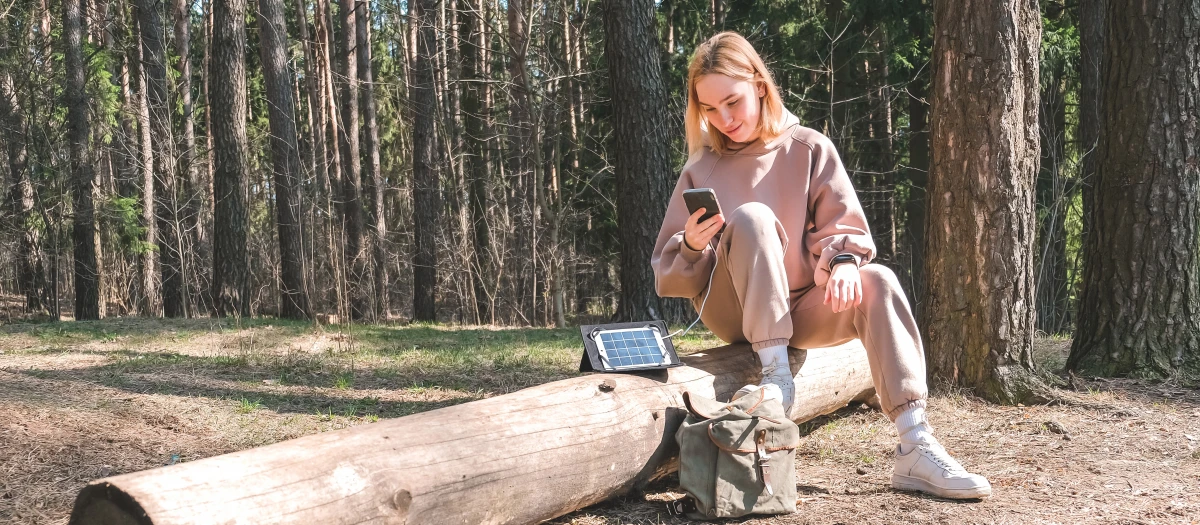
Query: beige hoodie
[800, 177]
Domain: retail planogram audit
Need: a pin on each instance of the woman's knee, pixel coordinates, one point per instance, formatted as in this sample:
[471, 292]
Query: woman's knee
[879, 281]
[754, 215]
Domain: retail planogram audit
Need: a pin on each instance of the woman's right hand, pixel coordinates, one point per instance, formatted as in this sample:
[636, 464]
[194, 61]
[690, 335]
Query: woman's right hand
[698, 234]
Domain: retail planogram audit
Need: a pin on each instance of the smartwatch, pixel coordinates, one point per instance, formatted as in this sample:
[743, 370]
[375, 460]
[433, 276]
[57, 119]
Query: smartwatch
[842, 258]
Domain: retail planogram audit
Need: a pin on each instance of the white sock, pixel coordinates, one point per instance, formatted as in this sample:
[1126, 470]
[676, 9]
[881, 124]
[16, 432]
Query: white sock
[774, 356]
[915, 429]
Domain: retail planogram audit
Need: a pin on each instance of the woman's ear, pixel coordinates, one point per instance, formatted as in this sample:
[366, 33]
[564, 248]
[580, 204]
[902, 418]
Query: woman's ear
[761, 87]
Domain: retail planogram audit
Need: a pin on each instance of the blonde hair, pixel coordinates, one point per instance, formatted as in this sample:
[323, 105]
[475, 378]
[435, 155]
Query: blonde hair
[730, 54]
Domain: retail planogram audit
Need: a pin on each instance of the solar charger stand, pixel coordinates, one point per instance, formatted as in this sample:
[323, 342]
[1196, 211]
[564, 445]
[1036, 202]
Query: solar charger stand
[627, 347]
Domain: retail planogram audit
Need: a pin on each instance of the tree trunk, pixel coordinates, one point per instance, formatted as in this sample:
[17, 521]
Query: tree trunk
[371, 174]
[352, 209]
[642, 147]
[231, 264]
[151, 297]
[520, 164]
[1052, 203]
[985, 159]
[1139, 309]
[426, 199]
[197, 201]
[154, 67]
[918, 170]
[31, 276]
[285, 158]
[86, 235]
[1092, 31]
[476, 157]
[524, 457]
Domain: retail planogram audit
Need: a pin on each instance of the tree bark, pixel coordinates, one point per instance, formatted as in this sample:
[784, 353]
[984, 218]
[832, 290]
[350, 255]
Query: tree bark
[86, 234]
[154, 67]
[1092, 32]
[918, 169]
[371, 174]
[524, 457]
[31, 274]
[474, 116]
[520, 165]
[231, 264]
[426, 199]
[642, 151]
[151, 278]
[1139, 308]
[285, 158]
[352, 209]
[197, 203]
[979, 266]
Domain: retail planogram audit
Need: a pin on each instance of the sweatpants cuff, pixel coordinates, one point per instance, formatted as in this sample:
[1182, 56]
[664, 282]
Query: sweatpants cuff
[768, 343]
[896, 411]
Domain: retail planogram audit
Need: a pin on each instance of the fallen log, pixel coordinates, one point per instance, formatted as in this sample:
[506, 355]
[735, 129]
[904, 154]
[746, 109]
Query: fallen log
[523, 457]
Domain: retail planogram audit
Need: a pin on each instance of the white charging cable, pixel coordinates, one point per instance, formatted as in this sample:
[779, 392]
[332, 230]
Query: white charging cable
[703, 302]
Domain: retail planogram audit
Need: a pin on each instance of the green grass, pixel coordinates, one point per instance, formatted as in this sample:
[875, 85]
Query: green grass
[246, 406]
[260, 361]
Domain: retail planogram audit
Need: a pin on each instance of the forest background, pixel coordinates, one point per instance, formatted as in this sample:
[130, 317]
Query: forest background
[467, 161]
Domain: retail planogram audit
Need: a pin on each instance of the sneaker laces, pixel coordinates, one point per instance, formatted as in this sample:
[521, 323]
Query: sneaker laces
[776, 369]
[941, 457]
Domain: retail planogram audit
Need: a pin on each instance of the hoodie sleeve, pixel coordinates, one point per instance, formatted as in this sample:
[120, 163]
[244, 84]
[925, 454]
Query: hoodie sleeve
[679, 271]
[838, 222]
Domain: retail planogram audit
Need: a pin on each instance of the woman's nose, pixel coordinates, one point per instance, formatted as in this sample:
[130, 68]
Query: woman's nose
[725, 116]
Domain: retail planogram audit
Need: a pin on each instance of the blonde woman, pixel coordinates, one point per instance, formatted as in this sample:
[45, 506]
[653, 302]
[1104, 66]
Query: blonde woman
[792, 265]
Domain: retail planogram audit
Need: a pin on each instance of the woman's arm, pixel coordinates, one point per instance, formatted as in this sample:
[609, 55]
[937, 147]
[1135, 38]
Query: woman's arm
[839, 224]
[679, 271]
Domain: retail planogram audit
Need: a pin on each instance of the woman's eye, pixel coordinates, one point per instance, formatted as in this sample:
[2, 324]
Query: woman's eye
[734, 103]
[710, 110]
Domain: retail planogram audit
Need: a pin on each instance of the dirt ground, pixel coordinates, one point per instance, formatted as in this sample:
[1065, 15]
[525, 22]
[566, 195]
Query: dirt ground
[84, 401]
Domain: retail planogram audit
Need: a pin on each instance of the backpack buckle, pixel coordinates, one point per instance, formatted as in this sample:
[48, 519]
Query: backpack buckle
[760, 445]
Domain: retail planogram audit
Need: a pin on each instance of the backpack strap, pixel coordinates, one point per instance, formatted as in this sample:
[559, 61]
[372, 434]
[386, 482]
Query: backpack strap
[762, 434]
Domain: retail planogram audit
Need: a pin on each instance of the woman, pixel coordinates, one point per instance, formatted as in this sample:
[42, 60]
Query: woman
[792, 266]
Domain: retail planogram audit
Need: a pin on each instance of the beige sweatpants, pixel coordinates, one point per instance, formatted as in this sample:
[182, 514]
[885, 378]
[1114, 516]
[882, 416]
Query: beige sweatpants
[750, 302]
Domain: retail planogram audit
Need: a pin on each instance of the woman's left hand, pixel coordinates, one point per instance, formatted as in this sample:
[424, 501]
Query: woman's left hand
[844, 289]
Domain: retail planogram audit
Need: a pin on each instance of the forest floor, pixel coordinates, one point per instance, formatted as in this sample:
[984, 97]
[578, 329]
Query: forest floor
[87, 400]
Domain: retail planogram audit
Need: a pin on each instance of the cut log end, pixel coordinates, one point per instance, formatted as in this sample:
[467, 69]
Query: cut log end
[101, 503]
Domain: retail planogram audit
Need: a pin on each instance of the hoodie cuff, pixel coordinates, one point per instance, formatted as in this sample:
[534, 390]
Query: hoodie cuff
[690, 255]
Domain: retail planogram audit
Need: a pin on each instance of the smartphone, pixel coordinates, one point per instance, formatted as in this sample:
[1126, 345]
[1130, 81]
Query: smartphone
[702, 198]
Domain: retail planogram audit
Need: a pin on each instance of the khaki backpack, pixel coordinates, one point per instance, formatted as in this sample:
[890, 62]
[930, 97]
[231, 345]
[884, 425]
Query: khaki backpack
[736, 458]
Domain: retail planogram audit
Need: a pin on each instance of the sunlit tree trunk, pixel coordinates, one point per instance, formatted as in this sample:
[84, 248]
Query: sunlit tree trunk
[371, 175]
[426, 198]
[285, 157]
[231, 264]
[642, 155]
[154, 60]
[86, 234]
[979, 268]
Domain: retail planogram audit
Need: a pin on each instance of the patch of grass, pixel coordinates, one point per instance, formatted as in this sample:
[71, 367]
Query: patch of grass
[246, 406]
[325, 416]
[343, 380]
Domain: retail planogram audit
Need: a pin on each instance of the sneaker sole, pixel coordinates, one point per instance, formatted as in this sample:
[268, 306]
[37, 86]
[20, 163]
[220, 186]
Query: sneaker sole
[912, 484]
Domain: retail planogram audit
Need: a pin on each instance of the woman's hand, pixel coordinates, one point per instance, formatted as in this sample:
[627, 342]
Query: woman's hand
[844, 289]
[697, 235]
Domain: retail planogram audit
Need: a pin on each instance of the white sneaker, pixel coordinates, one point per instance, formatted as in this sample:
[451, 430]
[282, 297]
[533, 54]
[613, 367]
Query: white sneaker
[778, 377]
[930, 469]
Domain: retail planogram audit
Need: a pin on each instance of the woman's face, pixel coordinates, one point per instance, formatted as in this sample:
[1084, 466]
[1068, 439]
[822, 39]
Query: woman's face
[732, 106]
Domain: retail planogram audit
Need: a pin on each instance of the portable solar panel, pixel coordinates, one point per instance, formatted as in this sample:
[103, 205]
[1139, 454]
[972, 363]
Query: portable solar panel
[627, 347]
